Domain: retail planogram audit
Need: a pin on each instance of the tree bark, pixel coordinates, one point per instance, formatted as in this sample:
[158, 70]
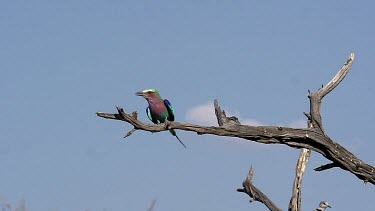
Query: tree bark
[295, 202]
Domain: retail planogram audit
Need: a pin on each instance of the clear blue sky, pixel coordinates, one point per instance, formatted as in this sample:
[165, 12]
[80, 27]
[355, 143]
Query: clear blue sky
[62, 61]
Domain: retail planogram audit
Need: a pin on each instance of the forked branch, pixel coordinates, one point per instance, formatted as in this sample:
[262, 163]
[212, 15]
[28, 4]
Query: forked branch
[310, 138]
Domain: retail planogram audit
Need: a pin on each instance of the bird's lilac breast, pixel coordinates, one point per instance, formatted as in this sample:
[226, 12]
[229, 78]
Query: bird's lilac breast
[158, 109]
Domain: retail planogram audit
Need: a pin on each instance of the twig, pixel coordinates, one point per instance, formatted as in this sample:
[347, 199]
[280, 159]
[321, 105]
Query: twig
[130, 133]
[326, 166]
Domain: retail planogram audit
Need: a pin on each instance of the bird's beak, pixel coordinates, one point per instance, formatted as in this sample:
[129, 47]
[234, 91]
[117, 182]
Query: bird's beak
[140, 93]
[329, 206]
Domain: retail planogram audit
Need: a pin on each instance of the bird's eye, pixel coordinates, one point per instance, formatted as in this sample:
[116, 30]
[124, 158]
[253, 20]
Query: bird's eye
[149, 92]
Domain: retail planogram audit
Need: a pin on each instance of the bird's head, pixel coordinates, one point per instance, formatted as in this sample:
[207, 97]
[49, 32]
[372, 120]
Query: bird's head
[148, 93]
[324, 204]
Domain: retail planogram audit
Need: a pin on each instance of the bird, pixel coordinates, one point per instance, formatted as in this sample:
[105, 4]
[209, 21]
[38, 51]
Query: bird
[322, 206]
[158, 110]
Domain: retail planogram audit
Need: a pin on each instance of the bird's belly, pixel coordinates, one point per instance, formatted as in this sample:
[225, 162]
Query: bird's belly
[160, 118]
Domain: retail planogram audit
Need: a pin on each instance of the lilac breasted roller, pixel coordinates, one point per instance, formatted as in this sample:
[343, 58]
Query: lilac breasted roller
[158, 110]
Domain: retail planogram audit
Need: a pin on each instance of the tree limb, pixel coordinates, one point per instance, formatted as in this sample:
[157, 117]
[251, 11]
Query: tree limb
[317, 97]
[295, 202]
[293, 137]
[340, 75]
[310, 138]
[255, 193]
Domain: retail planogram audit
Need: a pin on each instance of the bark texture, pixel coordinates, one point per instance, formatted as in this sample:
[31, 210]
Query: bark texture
[296, 200]
[295, 203]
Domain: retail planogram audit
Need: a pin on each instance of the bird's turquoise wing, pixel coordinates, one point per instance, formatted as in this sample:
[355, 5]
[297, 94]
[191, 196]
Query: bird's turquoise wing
[149, 115]
[170, 110]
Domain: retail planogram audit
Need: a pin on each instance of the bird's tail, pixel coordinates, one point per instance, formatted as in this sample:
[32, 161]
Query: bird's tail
[173, 132]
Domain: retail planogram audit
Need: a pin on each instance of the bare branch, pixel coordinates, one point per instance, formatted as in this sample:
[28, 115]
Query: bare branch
[130, 133]
[294, 137]
[308, 116]
[220, 114]
[295, 202]
[109, 116]
[326, 166]
[317, 97]
[255, 193]
[222, 118]
[310, 138]
[338, 77]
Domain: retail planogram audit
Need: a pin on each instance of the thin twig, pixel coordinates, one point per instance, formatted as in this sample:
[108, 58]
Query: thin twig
[130, 133]
[326, 166]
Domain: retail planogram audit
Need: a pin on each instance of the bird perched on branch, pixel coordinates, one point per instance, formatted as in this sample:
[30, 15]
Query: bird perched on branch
[158, 110]
[322, 206]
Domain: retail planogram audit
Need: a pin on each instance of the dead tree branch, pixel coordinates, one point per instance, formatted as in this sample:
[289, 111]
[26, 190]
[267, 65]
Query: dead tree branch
[317, 97]
[310, 138]
[255, 193]
[247, 184]
[295, 203]
[326, 166]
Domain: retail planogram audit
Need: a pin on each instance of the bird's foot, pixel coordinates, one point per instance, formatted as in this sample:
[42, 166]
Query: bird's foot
[167, 124]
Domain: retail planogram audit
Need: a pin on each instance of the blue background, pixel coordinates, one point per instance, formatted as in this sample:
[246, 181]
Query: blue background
[62, 61]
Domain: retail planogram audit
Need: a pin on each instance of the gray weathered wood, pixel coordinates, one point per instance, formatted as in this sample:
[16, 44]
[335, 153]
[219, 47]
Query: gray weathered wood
[294, 137]
[317, 97]
[255, 193]
[295, 203]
